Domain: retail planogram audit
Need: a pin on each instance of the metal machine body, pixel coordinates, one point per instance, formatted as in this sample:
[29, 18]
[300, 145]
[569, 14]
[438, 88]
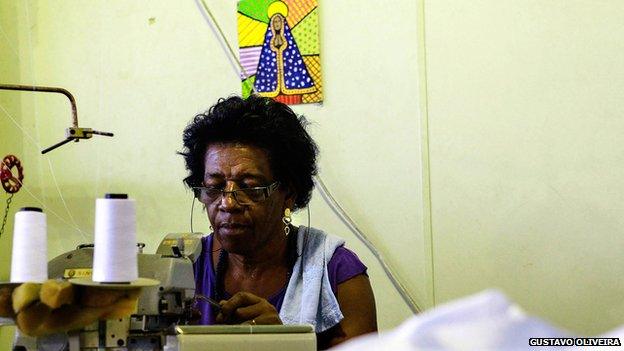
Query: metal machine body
[164, 311]
[160, 309]
[244, 337]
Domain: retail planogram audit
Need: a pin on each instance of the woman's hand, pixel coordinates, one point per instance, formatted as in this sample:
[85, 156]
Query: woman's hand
[248, 308]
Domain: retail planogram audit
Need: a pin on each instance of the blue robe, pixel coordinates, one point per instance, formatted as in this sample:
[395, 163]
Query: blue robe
[282, 71]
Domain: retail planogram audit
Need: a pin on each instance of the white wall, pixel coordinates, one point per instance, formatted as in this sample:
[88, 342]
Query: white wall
[527, 174]
[14, 107]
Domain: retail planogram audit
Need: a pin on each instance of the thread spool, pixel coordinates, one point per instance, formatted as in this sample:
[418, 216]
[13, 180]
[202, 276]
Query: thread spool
[115, 252]
[29, 260]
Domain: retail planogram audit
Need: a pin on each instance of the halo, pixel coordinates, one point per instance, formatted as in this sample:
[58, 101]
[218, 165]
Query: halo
[277, 7]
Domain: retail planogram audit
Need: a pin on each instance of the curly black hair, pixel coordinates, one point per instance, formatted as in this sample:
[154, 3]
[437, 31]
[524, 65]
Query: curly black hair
[261, 122]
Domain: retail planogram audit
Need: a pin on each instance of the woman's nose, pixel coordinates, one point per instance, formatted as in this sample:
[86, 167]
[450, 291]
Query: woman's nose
[228, 201]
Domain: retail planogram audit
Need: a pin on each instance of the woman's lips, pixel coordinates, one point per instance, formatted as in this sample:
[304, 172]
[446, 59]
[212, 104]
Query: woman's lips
[232, 228]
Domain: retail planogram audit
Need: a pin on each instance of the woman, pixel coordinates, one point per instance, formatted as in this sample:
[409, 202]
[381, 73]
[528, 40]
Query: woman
[251, 164]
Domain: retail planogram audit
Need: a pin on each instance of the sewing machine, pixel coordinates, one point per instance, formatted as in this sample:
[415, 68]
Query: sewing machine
[163, 311]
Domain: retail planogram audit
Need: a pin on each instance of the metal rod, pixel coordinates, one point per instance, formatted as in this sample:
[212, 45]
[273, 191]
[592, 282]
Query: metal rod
[103, 133]
[56, 145]
[211, 301]
[72, 101]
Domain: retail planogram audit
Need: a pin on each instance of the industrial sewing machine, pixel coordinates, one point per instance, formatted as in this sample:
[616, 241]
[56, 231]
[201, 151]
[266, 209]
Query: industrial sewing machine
[164, 311]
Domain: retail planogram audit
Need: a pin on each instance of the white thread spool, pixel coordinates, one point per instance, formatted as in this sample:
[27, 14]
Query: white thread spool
[29, 261]
[115, 256]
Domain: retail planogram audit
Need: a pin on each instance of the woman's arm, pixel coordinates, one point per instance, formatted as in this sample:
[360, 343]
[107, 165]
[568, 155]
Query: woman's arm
[357, 303]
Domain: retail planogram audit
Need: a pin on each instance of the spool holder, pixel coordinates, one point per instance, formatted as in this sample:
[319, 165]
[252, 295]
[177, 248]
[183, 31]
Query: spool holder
[73, 133]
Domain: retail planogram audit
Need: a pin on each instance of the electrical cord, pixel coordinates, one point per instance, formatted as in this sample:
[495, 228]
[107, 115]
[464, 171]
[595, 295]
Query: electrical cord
[239, 70]
[348, 221]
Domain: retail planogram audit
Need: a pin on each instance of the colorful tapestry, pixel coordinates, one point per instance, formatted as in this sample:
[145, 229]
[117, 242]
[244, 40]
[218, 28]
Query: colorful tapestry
[279, 49]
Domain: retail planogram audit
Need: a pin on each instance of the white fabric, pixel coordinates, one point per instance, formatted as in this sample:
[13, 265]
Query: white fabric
[309, 298]
[486, 321]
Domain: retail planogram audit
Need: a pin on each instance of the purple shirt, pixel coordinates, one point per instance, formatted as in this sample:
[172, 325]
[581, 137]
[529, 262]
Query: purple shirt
[343, 266]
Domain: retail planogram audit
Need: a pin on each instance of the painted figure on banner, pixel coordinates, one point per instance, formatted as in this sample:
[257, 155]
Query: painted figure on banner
[277, 66]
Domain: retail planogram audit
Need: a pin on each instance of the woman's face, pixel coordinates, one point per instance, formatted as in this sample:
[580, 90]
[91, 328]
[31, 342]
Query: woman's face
[243, 229]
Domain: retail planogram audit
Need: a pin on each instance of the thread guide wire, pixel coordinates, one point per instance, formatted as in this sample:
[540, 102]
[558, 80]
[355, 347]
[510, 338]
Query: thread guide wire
[73, 133]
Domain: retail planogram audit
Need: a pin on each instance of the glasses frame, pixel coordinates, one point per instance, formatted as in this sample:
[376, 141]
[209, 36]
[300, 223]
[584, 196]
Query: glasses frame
[267, 190]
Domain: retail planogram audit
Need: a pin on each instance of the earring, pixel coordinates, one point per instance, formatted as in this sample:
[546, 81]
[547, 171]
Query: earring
[287, 220]
[211, 228]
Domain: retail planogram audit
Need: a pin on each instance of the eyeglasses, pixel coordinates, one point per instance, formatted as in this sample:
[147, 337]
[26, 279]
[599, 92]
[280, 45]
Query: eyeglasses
[244, 196]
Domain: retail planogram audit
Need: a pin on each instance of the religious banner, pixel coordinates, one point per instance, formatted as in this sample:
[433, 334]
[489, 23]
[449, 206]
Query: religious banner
[279, 50]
